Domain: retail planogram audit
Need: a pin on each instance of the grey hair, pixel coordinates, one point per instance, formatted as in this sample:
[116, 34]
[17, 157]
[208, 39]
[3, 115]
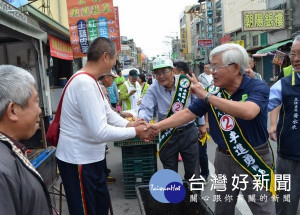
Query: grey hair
[297, 39]
[15, 86]
[231, 53]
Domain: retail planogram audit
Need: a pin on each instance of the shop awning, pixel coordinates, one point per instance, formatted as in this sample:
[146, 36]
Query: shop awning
[46, 20]
[16, 24]
[273, 47]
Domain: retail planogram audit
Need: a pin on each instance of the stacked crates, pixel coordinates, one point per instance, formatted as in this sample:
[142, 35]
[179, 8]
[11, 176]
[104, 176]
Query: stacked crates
[139, 163]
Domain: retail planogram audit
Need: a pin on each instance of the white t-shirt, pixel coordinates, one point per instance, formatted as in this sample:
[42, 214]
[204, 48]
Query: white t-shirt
[87, 122]
[205, 79]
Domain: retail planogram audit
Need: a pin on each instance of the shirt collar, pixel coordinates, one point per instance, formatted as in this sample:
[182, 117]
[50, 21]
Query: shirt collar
[19, 145]
[244, 82]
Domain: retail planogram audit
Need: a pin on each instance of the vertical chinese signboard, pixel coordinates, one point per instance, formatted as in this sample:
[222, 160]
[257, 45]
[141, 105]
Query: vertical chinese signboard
[89, 19]
[183, 41]
[260, 20]
[118, 39]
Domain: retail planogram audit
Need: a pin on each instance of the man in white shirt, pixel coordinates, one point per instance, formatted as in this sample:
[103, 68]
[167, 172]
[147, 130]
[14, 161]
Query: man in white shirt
[206, 78]
[87, 123]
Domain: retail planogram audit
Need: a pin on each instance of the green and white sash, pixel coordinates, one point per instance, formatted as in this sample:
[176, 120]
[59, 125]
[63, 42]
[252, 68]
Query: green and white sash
[240, 149]
[179, 101]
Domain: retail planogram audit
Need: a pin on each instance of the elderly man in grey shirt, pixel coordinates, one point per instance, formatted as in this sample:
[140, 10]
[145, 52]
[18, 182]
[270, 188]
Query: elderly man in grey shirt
[165, 97]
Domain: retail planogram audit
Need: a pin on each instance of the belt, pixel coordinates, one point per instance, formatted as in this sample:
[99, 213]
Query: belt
[261, 147]
[184, 128]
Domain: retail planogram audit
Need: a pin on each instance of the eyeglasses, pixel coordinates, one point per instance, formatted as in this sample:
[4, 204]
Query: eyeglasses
[163, 73]
[293, 55]
[215, 68]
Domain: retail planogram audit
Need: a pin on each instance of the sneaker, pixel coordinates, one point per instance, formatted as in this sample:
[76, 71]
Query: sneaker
[110, 180]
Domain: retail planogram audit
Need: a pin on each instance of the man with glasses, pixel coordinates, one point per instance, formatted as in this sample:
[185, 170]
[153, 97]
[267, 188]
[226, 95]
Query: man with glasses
[286, 91]
[237, 115]
[168, 95]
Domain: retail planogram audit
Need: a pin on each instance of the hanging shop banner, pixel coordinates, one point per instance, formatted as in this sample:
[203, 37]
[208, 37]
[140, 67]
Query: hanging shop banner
[225, 39]
[60, 49]
[118, 39]
[278, 58]
[204, 43]
[183, 41]
[261, 20]
[240, 42]
[89, 19]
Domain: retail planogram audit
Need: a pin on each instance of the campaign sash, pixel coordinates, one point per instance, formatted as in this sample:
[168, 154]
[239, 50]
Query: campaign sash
[240, 149]
[179, 101]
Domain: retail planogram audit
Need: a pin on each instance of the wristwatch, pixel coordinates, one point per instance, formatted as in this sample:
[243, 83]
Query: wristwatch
[207, 97]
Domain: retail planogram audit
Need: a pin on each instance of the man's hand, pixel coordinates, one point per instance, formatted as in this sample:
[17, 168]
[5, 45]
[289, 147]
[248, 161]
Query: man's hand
[146, 134]
[132, 92]
[202, 130]
[196, 88]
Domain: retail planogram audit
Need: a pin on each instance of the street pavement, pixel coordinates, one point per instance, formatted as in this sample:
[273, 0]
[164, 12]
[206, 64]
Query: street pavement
[122, 206]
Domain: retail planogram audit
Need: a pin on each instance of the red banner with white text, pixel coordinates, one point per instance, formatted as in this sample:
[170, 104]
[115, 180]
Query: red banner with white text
[60, 49]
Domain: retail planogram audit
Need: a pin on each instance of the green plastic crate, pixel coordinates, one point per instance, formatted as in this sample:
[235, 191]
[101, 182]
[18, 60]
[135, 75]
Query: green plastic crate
[132, 180]
[129, 191]
[135, 141]
[137, 178]
[139, 151]
[147, 164]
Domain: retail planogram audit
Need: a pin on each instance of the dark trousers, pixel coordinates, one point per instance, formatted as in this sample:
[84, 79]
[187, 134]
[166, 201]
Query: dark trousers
[85, 188]
[203, 160]
[184, 142]
[226, 165]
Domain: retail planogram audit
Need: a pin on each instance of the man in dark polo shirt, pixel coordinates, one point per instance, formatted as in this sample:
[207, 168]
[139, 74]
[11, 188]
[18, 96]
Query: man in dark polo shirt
[237, 114]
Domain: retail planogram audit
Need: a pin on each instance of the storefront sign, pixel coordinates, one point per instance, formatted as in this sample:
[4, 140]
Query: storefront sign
[240, 42]
[204, 43]
[60, 49]
[183, 41]
[261, 20]
[118, 39]
[225, 39]
[278, 58]
[89, 19]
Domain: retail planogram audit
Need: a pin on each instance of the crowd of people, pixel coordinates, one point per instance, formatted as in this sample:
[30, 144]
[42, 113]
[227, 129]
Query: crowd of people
[228, 100]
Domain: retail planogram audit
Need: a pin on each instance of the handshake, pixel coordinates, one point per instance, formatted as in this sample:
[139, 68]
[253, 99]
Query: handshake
[146, 132]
